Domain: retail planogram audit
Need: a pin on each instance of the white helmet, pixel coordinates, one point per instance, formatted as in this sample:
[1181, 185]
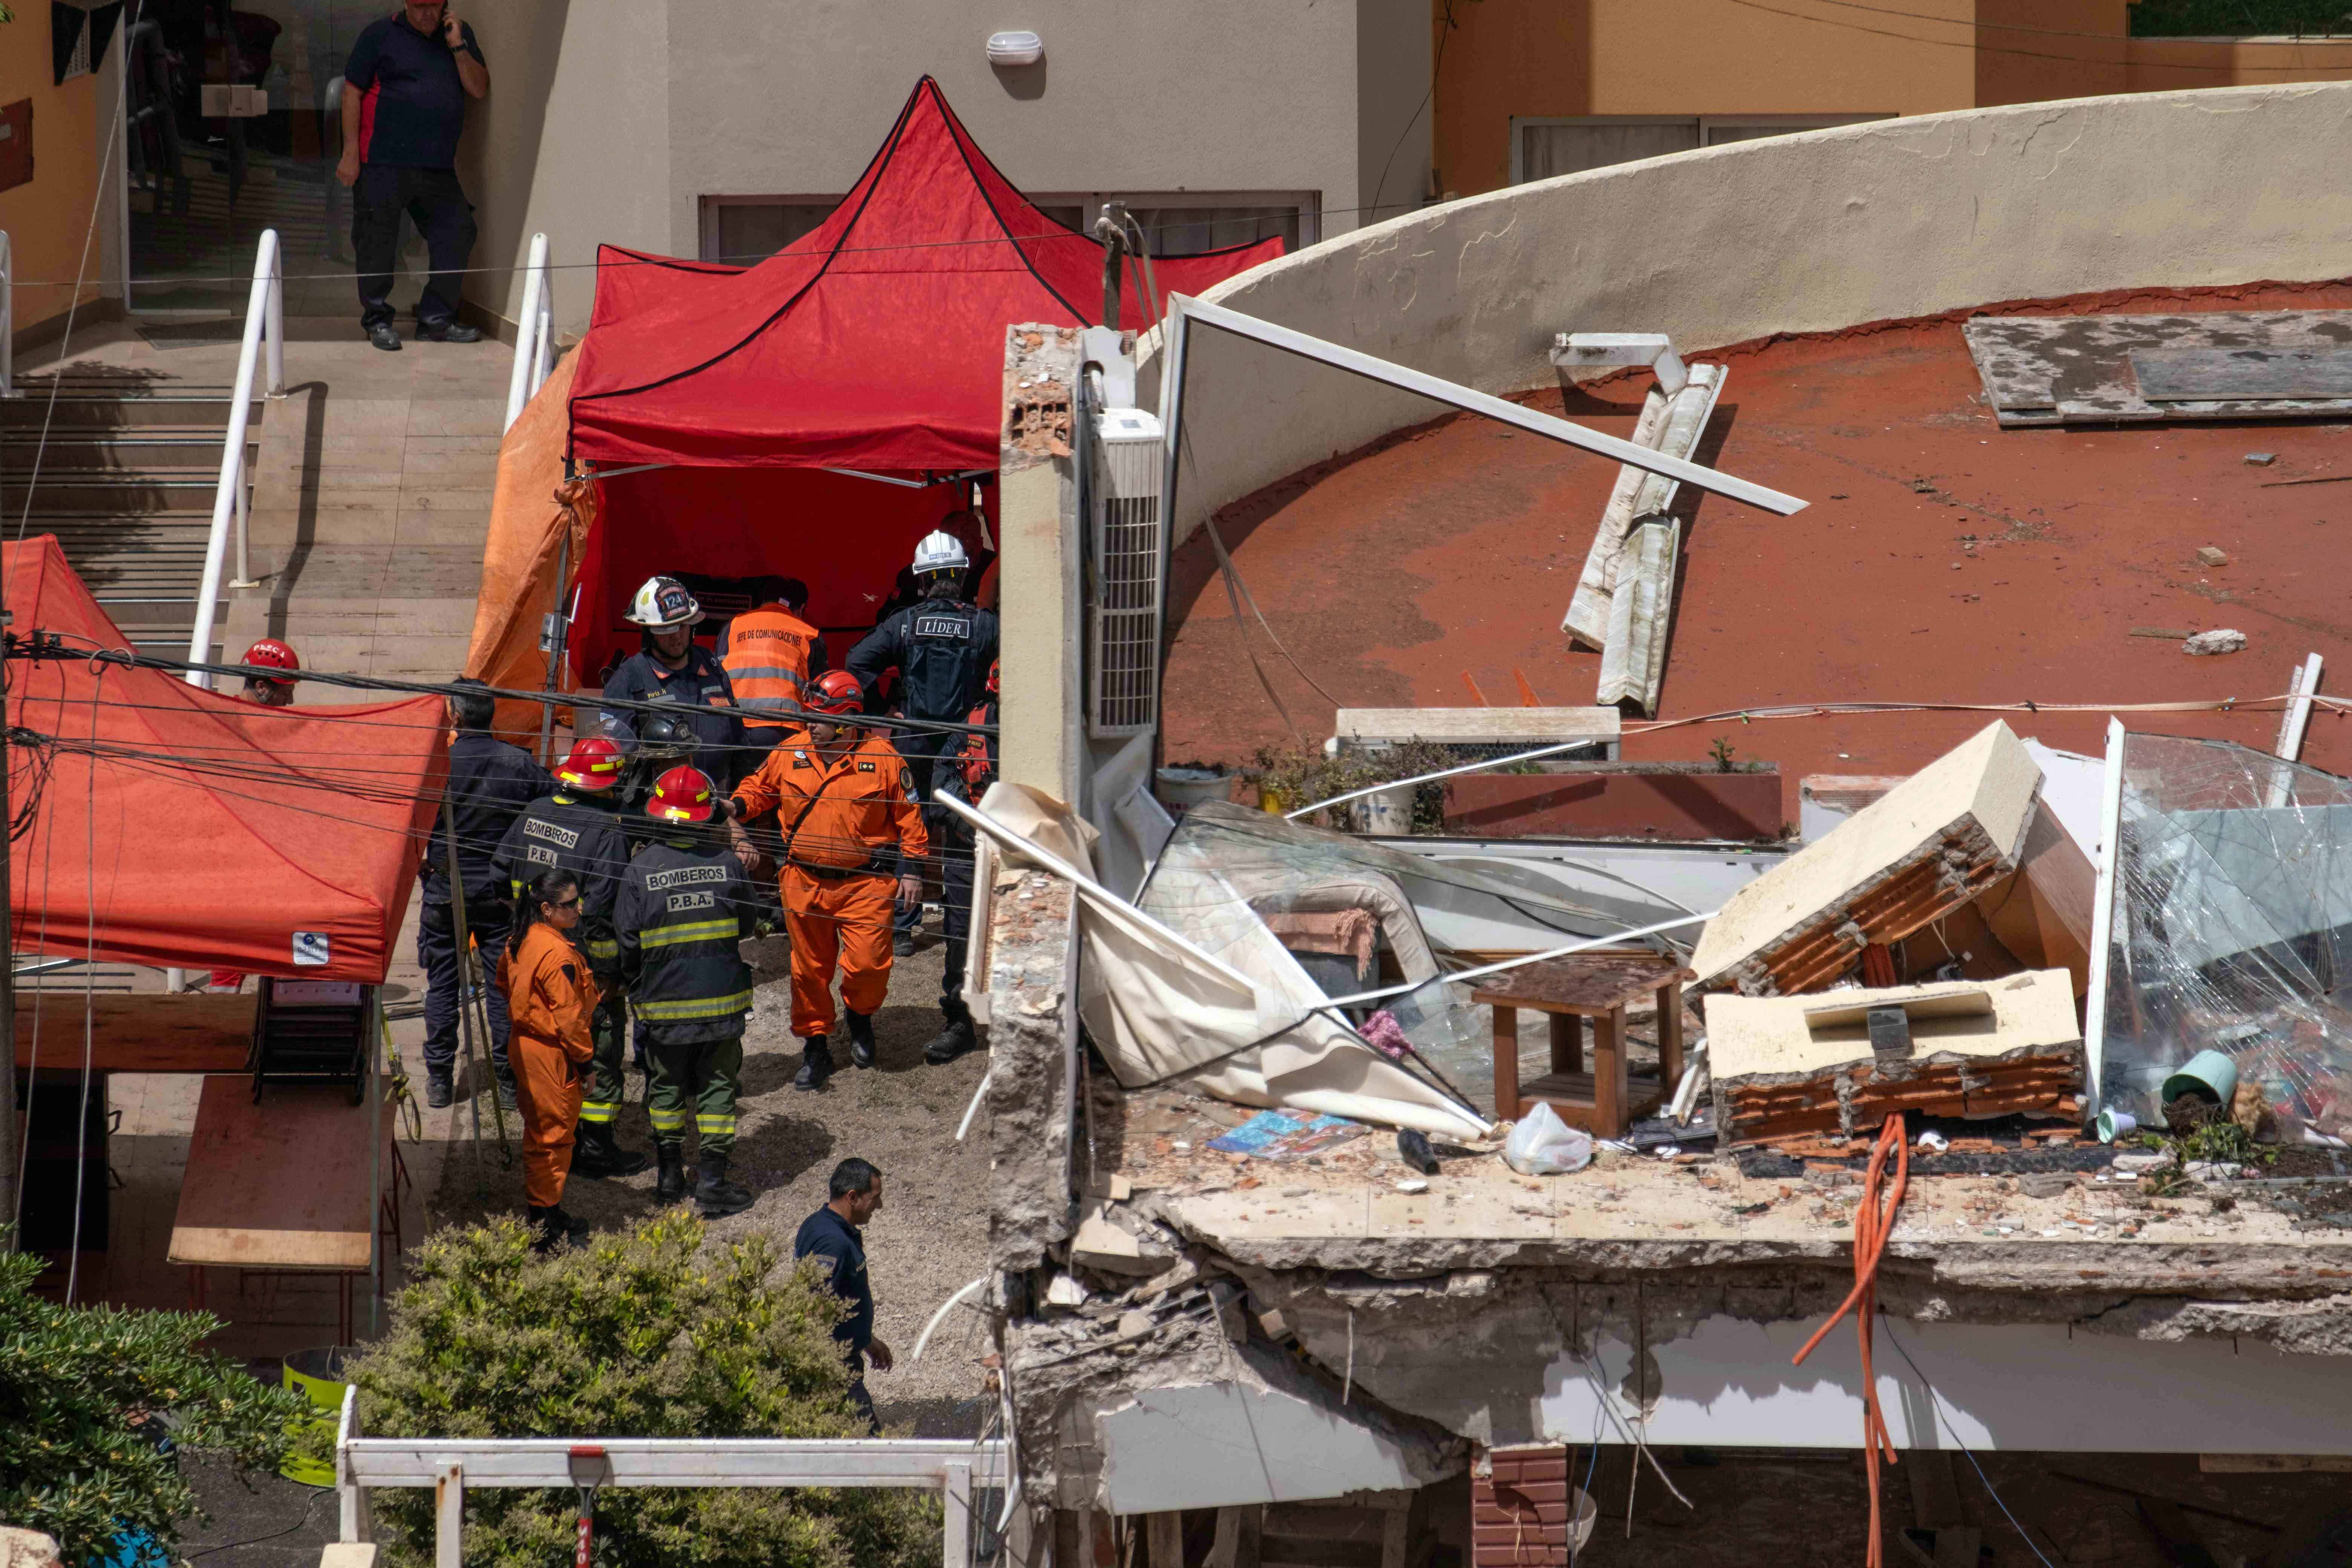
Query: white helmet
[940, 552]
[663, 603]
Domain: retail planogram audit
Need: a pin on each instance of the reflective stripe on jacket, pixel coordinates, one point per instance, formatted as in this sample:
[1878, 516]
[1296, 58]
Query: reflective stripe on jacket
[771, 656]
[685, 904]
[582, 836]
[857, 814]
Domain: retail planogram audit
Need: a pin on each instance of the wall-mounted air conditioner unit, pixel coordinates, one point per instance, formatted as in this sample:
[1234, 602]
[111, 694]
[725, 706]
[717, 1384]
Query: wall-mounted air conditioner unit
[1123, 631]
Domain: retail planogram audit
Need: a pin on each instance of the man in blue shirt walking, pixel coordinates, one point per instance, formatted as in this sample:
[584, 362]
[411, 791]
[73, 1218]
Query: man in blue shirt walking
[405, 86]
[833, 1236]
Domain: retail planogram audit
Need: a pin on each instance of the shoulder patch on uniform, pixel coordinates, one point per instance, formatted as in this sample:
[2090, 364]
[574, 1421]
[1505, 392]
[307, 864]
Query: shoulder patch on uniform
[906, 783]
[571, 975]
[801, 760]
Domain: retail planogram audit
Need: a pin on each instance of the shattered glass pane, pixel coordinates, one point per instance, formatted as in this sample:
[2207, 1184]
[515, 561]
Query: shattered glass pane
[1361, 915]
[2232, 932]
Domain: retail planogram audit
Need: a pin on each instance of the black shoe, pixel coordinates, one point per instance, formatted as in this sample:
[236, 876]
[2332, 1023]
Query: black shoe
[449, 332]
[861, 1038]
[903, 944]
[436, 1091]
[669, 1186]
[817, 1063]
[507, 1095]
[383, 336]
[595, 1154]
[716, 1197]
[552, 1226]
[951, 1042]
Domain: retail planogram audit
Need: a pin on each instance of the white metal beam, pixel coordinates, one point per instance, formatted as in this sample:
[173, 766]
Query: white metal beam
[2102, 915]
[371, 1462]
[1183, 310]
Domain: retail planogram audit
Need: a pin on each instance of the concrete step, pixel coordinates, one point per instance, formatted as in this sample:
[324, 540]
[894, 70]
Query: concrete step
[96, 490]
[172, 449]
[102, 406]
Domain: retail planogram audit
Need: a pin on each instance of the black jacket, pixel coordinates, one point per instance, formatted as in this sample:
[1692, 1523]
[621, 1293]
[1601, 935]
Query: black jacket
[841, 1248]
[582, 835]
[702, 687]
[685, 905]
[943, 649]
[489, 785]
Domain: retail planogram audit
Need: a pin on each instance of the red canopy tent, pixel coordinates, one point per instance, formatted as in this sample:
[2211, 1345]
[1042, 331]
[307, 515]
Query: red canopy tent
[875, 343]
[169, 825]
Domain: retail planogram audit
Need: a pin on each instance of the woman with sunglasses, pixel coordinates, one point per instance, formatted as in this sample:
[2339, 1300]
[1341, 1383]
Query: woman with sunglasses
[550, 1002]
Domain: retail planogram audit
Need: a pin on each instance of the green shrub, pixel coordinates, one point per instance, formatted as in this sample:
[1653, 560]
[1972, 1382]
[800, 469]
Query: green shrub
[642, 1333]
[81, 1389]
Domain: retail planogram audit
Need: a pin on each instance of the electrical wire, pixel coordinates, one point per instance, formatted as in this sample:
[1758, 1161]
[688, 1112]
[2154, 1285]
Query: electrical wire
[1936, 1402]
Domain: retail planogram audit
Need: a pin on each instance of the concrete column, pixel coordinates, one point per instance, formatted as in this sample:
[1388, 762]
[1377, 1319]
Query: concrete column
[1042, 743]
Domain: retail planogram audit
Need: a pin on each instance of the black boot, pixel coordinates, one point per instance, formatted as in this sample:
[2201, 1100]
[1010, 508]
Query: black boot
[951, 1042]
[669, 1186]
[861, 1038]
[816, 1063]
[436, 1089]
[551, 1227]
[595, 1154]
[715, 1196]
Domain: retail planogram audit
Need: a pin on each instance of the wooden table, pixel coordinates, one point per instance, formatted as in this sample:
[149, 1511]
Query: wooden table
[143, 1032]
[1598, 985]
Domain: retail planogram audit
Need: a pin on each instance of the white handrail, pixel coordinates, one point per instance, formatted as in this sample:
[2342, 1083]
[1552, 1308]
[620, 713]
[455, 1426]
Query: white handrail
[8, 318]
[265, 323]
[534, 333]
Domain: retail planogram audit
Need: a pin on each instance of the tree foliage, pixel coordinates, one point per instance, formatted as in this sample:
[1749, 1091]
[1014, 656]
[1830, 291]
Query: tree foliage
[82, 1391]
[644, 1332]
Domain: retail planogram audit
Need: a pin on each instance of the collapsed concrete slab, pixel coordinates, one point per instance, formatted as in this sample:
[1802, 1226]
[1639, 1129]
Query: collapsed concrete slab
[1933, 843]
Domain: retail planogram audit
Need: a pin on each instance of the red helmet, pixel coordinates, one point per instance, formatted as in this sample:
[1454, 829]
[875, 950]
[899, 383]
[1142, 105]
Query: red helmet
[271, 654]
[595, 764]
[993, 665]
[835, 692]
[681, 794]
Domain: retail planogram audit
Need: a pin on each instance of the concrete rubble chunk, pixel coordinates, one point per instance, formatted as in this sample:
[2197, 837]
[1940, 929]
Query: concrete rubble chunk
[2215, 642]
[2210, 557]
[1931, 844]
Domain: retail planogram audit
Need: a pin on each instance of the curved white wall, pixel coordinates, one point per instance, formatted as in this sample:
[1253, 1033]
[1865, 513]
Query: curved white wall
[1805, 232]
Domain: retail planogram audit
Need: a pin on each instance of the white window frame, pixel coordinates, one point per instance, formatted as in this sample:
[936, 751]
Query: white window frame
[708, 206]
[1703, 123]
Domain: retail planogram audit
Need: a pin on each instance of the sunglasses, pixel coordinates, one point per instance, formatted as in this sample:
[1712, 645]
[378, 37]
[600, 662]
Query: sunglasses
[570, 903]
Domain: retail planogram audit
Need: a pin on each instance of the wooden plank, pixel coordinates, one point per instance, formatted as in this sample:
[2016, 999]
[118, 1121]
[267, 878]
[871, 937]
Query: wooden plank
[142, 1033]
[1479, 726]
[1508, 1103]
[286, 1184]
[2185, 375]
[1166, 1531]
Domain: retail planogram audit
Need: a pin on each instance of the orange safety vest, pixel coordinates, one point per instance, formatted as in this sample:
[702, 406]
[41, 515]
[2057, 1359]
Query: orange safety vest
[857, 814]
[768, 663]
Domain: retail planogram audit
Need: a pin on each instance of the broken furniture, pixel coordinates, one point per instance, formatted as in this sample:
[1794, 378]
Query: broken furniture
[1598, 985]
[1792, 1066]
[1625, 596]
[2217, 364]
[1935, 842]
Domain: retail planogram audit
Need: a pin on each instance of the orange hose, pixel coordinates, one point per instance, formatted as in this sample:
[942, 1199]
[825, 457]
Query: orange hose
[1873, 1222]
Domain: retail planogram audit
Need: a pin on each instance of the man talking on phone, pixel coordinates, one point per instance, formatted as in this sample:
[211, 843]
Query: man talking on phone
[405, 86]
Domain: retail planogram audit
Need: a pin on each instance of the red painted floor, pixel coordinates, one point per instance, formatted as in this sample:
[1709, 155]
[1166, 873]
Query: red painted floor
[1943, 560]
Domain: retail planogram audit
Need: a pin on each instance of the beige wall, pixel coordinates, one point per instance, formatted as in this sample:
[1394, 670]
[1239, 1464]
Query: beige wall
[2159, 64]
[48, 220]
[1808, 232]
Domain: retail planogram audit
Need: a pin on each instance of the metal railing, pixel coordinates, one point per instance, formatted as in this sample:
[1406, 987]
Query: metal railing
[8, 318]
[534, 333]
[451, 1465]
[265, 326]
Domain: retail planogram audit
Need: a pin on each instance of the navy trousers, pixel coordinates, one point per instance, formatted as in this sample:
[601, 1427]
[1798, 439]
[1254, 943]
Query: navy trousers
[443, 215]
[436, 950]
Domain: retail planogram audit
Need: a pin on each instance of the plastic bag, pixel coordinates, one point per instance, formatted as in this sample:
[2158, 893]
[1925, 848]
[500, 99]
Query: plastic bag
[1541, 1144]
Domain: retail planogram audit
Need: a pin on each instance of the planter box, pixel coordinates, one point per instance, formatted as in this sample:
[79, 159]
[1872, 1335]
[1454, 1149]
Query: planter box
[1618, 800]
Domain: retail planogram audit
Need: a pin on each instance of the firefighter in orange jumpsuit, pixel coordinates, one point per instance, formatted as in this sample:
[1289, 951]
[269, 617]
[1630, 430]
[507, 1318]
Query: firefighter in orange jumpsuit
[853, 843]
[550, 1008]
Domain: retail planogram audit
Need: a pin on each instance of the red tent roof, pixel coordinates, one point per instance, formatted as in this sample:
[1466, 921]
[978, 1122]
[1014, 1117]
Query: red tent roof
[877, 342]
[187, 828]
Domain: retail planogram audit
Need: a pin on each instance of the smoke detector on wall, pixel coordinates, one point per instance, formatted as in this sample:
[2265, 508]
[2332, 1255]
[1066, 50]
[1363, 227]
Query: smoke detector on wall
[1015, 48]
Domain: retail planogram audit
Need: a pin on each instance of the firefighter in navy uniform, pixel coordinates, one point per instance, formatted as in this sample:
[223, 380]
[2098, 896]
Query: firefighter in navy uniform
[489, 785]
[966, 774]
[943, 649]
[671, 667]
[577, 830]
[685, 905]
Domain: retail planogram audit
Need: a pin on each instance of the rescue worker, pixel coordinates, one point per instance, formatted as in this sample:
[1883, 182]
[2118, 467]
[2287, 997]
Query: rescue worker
[268, 689]
[576, 830]
[550, 996]
[853, 834]
[771, 654]
[489, 785]
[966, 774]
[684, 906]
[943, 649]
[671, 667]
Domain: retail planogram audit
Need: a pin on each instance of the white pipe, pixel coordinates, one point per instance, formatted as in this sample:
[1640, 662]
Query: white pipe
[276, 317]
[2103, 917]
[973, 1108]
[1446, 773]
[945, 1307]
[2298, 712]
[232, 469]
[520, 381]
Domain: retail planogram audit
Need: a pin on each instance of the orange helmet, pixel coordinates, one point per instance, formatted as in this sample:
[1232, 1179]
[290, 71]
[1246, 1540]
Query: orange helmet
[271, 654]
[681, 794]
[835, 692]
[595, 764]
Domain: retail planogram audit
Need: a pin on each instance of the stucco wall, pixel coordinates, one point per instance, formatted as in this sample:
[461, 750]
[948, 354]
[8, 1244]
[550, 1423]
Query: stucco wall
[1807, 233]
[47, 219]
